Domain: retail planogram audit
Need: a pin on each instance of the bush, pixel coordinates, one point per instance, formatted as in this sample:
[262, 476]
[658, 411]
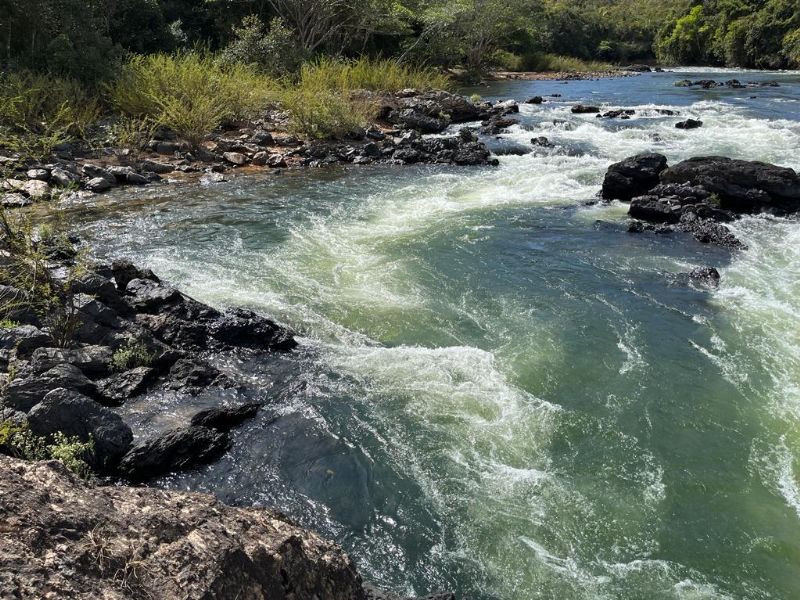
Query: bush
[274, 51]
[131, 356]
[20, 442]
[379, 75]
[323, 113]
[191, 92]
[39, 112]
[26, 267]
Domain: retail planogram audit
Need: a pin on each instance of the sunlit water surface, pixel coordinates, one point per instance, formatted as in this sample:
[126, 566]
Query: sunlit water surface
[500, 391]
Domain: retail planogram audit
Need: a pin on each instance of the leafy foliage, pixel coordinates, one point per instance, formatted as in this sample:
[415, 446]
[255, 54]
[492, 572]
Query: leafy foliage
[132, 355]
[190, 92]
[19, 441]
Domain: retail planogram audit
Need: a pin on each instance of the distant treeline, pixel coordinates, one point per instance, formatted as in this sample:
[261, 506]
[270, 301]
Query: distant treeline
[87, 39]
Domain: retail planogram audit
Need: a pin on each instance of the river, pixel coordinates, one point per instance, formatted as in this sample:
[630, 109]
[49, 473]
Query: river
[500, 391]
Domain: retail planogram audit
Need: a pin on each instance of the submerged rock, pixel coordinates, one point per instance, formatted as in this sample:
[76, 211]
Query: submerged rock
[689, 124]
[705, 275]
[68, 539]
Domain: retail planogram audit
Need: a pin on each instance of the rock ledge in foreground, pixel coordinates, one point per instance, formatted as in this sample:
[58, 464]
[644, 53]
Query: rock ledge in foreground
[62, 538]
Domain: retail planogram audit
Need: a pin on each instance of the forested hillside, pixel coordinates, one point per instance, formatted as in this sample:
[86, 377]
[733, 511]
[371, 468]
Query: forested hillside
[85, 38]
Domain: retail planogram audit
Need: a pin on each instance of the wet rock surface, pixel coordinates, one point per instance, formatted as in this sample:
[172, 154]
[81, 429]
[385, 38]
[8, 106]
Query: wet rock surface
[698, 196]
[135, 335]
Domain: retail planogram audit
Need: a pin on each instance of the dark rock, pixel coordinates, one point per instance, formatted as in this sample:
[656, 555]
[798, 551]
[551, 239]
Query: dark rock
[633, 176]
[190, 377]
[224, 419]
[76, 415]
[613, 114]
[124, 271]
[63, 177]
[244, 328]
[654, 210]
[128, 175]
[542, 142]
[262, 138]
[91, 171]
[146, 295]
[24, 339]
[28, 389]
[689, 124]
[411, 119]
[535, 100]
[174, 450]
[582, 109]
[156, 167]
[98, 185]
[741, 186]
[683, 83]
[496, 125]
[707, 231]
[101, 288]
[93, 361]
[706, 275]
[117, 389]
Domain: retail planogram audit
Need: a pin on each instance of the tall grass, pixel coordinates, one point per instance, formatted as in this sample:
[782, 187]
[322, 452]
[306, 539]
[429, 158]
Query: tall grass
[190, 92]
[39, 112]
[555, 62]
[375, 74]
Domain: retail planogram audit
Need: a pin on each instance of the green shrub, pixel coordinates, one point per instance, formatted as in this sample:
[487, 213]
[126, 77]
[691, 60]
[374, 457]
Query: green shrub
[273, 50]
[190, 92]
[27, 267]
[38, 112]
[323, 114]
[19, 441]
[133, 132]
[132, 355]
[375, 74]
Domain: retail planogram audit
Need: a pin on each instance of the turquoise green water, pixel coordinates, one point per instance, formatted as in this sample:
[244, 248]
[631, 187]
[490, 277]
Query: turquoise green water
[500, 390]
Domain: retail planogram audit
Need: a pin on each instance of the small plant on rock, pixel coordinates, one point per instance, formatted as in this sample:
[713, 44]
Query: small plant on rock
[19, 441]
[132, 355]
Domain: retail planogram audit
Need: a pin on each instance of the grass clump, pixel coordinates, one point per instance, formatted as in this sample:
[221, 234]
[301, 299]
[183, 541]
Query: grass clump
[557, 63]
[191, 93]
[131, 356]
[374, 74]
[19, 441]
[38, 112]
[325, 114]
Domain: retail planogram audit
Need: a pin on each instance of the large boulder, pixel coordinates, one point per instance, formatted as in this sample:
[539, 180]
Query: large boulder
[64, 538]
[24, 339]
[634, 176]
[76, 415]
[93, 361]
[117, 389]
[174, 450]
[742, 186]
[28, 389]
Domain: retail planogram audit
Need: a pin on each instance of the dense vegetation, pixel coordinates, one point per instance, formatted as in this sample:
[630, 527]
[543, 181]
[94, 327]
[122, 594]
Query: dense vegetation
[87, 39]
[192, 66]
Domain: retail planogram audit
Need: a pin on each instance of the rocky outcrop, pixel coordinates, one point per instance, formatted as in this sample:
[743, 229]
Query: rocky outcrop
[62, 538]
[740, 185]
[699, 195]
[633, 176]
[134, 335]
